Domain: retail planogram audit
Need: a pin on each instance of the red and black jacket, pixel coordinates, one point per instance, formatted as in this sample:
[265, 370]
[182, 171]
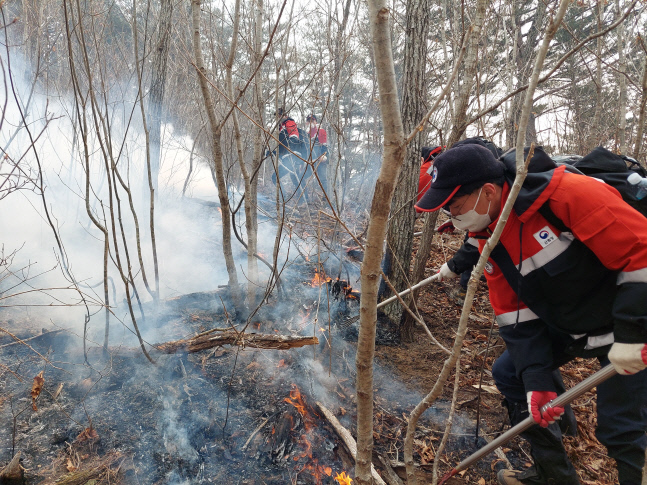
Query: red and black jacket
[585, 284]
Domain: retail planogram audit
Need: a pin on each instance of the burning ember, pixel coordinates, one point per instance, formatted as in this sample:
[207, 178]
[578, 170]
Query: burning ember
[339, 288]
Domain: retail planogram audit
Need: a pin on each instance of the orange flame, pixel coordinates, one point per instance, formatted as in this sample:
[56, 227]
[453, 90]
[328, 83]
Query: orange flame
[307, 453]
[317, 471]
[281, 363]
[343, 479]
[319, 279]
[297, 401]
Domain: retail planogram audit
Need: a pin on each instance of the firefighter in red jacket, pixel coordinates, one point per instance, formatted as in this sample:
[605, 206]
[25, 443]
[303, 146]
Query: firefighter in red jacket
[290, 150]
[568, 278]
[318, 149]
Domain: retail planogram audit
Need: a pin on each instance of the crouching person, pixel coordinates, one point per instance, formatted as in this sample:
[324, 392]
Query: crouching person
[568, 278]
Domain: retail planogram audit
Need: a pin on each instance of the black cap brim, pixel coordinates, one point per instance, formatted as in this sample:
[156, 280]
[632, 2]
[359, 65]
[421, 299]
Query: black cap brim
[435, 199]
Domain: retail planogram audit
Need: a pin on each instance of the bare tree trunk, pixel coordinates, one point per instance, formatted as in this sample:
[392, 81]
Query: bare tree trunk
[469, 75]
[250, 205]
[157, 86]
[394, 150]
[523, 52]
[336, 134]
[622, 87]
[216, 132]
[148, 176]
[414, 93]
[594, 130]
[641, 114]
[251, 198]
[448, 66]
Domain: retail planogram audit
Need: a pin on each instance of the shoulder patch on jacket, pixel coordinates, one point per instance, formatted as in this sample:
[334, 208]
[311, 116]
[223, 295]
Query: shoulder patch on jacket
[545, 236]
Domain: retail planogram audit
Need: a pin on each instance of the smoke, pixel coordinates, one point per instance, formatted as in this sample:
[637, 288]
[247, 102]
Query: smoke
[64, 288]
[174, 434]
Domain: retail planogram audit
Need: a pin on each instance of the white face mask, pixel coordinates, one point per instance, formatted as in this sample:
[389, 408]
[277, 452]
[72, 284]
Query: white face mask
[473, 221]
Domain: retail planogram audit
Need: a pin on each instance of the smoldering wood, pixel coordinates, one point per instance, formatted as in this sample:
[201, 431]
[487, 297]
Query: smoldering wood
[347, 438]
[280, 441]
[252, 340]
[13, 473]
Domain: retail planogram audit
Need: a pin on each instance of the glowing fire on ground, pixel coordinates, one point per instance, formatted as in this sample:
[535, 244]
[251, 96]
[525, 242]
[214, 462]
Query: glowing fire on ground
[319, 279]
[297, 401]
[343, 479]
[313, 467]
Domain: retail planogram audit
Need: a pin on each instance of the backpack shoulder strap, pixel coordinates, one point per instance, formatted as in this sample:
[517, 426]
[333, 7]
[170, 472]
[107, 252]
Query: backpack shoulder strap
[550, 216]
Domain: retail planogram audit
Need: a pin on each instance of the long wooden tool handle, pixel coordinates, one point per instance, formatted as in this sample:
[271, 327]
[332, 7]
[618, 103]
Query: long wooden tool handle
[561, 400]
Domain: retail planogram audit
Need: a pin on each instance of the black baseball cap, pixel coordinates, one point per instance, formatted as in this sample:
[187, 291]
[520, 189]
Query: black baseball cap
[458, 166]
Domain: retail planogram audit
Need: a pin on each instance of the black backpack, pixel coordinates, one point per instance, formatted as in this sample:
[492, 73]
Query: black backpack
[614, 170]
[600, 163]
[478, 140]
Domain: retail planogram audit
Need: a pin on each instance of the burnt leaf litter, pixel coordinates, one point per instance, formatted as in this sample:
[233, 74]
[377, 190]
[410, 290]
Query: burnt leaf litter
[248, 416]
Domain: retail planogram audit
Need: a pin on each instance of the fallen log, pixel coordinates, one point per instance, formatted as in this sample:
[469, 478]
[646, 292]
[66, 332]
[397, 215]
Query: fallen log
[253, 340]
[348, 439]
[13, 473]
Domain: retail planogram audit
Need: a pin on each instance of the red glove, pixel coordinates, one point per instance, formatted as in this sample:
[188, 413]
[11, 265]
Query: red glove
[445, 228]
[536, 400]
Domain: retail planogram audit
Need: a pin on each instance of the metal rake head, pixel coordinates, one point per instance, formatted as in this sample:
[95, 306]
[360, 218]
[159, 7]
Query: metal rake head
[348, 322]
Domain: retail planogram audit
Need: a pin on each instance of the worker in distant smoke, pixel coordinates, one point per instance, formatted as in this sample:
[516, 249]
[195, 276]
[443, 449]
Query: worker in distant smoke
[318, 137]
[290, 150]
[568, 278]
[318, 149]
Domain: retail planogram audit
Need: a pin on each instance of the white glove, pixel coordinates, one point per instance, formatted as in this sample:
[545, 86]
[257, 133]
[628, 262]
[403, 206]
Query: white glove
[446, 273]
[628, 358]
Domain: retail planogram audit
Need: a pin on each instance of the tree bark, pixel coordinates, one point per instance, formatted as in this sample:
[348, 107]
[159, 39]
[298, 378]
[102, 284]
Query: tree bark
[250, 204]
[414, 96]
[469, 75]
[595, 129]
[641, 113]
[394, 150]
[523, 53]
[622, 87]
